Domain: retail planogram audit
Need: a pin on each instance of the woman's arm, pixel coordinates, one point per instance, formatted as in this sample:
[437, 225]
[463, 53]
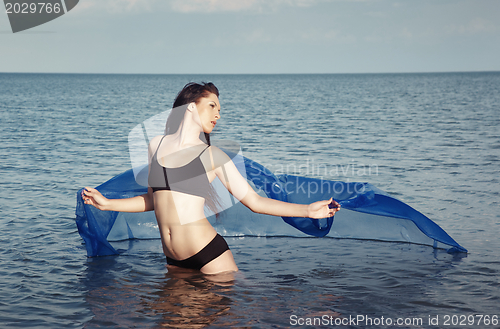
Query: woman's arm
[239, 187]
[139, 203]
[261, 205]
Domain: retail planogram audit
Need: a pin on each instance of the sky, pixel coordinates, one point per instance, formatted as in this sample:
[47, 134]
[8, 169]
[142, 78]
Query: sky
[259, 37]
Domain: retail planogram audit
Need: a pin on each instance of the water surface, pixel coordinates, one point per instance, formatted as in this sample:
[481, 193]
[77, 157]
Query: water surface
[432, 137]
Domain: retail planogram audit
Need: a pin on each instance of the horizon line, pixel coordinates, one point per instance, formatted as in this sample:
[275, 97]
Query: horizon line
[311, 73]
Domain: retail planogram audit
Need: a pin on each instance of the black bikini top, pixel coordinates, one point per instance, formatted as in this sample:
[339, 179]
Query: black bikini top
[190, 179]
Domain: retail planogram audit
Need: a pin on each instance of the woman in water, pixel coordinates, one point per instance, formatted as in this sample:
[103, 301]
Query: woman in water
[182, 164]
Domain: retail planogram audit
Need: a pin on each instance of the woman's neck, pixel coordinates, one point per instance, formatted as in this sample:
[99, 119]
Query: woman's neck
[188, 133]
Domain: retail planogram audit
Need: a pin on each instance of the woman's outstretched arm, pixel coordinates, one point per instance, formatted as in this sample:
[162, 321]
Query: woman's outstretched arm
[239, 187]
[139, 203]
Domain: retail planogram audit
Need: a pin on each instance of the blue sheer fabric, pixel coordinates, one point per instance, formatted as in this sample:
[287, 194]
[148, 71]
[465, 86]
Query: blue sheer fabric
[366, 213]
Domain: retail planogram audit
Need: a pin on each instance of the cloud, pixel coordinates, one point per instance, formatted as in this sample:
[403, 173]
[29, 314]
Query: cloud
[187, 6]
[200, 6]
[191, 6]
[121, 6]
[475, 26]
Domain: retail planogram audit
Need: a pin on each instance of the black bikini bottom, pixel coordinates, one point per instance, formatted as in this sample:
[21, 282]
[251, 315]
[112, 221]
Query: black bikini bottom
[214, 249]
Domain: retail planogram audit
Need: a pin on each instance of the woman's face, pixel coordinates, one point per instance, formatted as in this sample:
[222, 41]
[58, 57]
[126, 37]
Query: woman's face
[209, 112]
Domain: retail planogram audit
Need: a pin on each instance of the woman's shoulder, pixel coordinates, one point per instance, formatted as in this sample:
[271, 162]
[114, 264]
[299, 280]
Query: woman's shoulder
[156, 139]
[219, 156]
[155, 142]
[216, 151]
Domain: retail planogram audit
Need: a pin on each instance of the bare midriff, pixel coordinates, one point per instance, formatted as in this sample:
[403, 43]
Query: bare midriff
[184, 229]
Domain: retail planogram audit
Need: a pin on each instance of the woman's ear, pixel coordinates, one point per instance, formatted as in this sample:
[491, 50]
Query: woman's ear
[191, 107]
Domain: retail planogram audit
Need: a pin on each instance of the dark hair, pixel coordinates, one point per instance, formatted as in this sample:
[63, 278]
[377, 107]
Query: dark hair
[192, 92]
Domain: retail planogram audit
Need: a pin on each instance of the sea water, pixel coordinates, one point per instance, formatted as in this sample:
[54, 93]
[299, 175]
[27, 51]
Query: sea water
[430, 140]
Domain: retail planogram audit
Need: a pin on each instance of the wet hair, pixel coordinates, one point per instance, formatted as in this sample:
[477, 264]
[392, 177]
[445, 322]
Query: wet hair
[191, 93]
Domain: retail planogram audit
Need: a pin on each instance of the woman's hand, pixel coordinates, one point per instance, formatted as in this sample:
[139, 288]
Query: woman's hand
[94, 198]
[323, 209]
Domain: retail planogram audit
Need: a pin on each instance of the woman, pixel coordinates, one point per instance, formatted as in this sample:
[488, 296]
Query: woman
[182, 164]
